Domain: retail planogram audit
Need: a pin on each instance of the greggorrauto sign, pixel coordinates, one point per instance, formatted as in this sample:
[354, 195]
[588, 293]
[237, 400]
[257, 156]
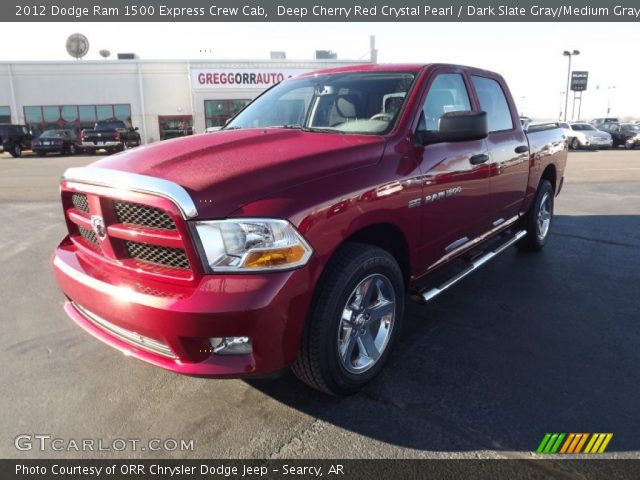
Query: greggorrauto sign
[240, 77]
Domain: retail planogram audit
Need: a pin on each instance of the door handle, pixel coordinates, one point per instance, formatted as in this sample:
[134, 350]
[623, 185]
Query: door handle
[522, 149]
[478, 159]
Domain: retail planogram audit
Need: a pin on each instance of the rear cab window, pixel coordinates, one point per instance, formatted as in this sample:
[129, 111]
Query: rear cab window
[493, 101]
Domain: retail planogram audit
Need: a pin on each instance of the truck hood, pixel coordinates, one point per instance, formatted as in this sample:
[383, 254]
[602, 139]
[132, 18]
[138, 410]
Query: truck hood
[225, 170]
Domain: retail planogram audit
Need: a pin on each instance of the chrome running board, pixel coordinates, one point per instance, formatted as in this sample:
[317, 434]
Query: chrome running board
[430, 294]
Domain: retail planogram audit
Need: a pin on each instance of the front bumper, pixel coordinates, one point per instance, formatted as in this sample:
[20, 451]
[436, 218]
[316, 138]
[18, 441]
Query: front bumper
[169, 326]
[98, 145]
[597, 143]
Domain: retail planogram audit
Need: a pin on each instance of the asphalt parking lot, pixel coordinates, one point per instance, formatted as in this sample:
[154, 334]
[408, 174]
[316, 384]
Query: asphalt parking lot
[530, 344]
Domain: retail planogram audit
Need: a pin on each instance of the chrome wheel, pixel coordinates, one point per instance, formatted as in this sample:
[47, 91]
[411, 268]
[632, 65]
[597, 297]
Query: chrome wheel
[366, 324]
[544, 215]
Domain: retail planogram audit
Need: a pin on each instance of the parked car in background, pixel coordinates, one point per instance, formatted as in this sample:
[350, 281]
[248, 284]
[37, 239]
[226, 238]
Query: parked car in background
[566, 128]
[585, 135]
[625, 134]
[14, 139]
[64, 142]
[290, 236]
[599, 121]
[111, 135]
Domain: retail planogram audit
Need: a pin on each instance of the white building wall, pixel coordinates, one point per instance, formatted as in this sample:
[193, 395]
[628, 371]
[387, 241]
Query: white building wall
[165, 86]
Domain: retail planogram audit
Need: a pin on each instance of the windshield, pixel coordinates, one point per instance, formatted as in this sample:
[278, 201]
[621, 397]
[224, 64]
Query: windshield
[53, 134]
[352, 102]
[582, 126]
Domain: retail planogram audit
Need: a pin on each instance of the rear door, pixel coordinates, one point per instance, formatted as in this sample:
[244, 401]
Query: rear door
[508, 149]
[455, 175]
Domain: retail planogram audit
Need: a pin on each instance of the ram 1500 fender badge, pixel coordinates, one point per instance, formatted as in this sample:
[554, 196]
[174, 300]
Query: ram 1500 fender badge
[449, 192]
[98, 227]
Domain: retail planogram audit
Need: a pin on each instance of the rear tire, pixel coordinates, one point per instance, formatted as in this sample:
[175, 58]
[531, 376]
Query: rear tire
[537, 222]
[575, 144]
[353, 321]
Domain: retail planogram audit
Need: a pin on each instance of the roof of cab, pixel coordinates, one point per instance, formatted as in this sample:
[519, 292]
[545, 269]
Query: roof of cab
[396, 67]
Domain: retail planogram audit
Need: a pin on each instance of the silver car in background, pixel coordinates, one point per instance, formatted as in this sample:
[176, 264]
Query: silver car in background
[585, 135]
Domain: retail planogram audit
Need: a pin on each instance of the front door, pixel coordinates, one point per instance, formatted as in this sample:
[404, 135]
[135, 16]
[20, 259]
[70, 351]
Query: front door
[455, 175]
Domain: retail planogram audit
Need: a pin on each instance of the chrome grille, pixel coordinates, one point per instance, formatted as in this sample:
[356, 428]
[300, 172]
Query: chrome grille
[166, 256]
[143, 216]
[88, 235]
[80, 202]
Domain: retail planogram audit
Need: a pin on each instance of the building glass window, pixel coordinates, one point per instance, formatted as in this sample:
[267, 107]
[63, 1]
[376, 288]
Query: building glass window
[73, 117]
[217, 112]
[5, 114]
[172, 126]
[104, 112]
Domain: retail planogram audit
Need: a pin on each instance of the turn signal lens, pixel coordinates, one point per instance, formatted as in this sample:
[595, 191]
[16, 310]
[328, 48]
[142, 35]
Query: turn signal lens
[274, 258]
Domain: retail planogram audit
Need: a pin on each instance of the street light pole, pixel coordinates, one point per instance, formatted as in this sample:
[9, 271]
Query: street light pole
[569, 54]
[609, 88]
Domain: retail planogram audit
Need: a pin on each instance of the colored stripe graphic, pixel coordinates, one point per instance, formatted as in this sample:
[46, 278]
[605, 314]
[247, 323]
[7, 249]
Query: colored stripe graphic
[543, 443]
[590, 444]
[567, 443]
[605, 443]
[573, 443]
[581, 443]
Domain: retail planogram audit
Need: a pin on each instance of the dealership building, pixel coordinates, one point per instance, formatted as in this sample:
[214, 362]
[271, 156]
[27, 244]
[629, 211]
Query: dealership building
[163, 98]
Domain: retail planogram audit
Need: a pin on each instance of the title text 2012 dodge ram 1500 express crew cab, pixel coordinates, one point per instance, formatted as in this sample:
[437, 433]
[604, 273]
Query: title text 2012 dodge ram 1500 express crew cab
[290, 236]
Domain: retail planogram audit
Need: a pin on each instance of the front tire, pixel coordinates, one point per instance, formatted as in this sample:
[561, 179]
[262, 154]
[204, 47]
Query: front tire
[16, 151]
[537, 221]
[353, 321]
[575, 144]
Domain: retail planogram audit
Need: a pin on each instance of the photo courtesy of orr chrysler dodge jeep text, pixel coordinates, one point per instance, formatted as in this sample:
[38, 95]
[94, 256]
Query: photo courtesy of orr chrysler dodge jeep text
[290, 236]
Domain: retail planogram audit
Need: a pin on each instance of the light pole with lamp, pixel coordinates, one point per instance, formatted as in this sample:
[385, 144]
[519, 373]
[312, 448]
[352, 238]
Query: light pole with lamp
[609, 88]
[569, 54]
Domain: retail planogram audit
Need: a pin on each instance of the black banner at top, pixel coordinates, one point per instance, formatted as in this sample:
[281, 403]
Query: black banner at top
[320, 11]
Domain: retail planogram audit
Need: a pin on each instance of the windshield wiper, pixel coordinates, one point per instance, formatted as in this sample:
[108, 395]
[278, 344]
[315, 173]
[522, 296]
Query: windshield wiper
[321, 130]
[287, 126]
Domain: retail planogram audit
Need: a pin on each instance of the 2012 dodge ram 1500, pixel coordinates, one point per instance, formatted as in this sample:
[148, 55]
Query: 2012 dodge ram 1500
[291, 236]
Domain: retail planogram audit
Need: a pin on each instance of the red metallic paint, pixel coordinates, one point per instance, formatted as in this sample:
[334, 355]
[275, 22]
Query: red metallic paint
[330, 186]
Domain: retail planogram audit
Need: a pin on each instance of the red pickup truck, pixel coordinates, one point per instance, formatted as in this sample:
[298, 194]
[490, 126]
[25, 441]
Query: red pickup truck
[290, 237]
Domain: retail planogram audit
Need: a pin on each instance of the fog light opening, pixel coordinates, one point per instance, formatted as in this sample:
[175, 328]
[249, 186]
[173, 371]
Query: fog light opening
[231, 345]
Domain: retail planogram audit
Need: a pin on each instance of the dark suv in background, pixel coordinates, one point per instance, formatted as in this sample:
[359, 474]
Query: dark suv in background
[626, 134]
[14, 139]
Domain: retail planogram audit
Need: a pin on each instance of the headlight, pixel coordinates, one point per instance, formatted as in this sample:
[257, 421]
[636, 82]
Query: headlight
[252, 245]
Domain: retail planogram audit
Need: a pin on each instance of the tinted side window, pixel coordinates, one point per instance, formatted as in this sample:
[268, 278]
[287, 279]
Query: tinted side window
[446, 94]
[493, 101]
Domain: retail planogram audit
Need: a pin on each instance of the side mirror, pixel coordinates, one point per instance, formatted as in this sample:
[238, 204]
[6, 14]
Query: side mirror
[456, 127]
[135, 129]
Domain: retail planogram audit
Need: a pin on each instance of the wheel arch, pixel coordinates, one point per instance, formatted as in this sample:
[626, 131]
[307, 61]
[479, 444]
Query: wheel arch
[388, 237]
